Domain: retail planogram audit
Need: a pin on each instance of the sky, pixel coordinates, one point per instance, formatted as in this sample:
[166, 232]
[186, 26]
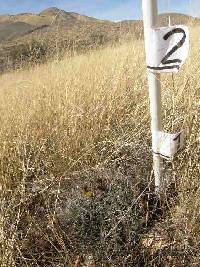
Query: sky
[114, 10]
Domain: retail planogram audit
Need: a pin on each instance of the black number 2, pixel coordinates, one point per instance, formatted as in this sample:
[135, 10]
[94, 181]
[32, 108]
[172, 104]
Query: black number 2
[166, 60]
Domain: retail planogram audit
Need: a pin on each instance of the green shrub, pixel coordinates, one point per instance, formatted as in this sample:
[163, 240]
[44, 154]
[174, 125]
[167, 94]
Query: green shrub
[32, 52]
[107, 225]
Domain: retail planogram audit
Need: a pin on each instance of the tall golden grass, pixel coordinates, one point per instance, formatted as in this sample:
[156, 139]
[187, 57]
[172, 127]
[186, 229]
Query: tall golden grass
[67, 117]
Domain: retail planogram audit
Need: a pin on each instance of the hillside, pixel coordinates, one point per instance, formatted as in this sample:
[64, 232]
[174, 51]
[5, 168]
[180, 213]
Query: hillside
[50, 18]
[177, 18]
[35, 37]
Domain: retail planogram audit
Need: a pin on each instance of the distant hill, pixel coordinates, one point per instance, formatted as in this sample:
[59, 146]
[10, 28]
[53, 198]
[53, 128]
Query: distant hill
[54, 29]
[13, 26]
[11, 30]
[177, 18]
[49, 20]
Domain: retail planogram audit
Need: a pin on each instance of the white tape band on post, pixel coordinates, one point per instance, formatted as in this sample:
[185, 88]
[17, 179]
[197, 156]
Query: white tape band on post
[167, 48]
[167, 145]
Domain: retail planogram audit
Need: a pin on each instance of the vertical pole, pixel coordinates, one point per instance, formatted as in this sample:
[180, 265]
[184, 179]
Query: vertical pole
[150, 16]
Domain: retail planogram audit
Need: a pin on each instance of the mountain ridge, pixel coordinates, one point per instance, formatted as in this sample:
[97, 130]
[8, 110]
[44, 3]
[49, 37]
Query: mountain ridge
[54, 11]
[53, 16]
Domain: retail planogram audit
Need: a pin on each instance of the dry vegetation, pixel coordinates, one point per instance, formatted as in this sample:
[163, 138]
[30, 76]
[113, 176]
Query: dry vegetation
[76, 167]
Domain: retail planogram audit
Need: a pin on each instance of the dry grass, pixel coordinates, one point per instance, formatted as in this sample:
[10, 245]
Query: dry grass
[80, 127]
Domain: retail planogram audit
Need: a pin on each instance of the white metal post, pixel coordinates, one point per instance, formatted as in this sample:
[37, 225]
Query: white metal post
[150, 17]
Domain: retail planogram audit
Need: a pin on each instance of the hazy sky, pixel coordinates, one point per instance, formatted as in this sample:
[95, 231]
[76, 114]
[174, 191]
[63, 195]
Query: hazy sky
[103, 9]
